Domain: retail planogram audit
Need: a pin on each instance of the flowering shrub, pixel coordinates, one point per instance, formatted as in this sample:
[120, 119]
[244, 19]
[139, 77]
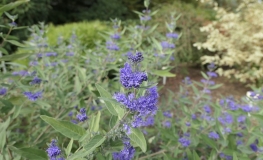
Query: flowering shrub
[236, 39]
[64, 105]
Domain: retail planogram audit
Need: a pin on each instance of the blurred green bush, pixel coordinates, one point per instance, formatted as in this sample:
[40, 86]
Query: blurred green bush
[88, 32]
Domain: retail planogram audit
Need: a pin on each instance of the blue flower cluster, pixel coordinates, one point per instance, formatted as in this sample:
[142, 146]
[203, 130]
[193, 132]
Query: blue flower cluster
[112, 46]
[167, 45]
[213, 135]
[54, 151]
[3, 91]
[137, 58]
[172, 35]
[126, 153]
[185, 141]
[144, 105]
[36, 80]
[82, 116]
[130, 78]
[33, 96]
[226, 157]
[115, 36]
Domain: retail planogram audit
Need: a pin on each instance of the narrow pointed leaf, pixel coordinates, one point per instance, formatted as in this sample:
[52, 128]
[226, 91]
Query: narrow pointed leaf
[66, 128]
[30, 153]
[138, 138]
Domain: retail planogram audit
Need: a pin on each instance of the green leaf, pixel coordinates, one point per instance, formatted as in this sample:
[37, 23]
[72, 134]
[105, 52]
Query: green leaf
[195, 155]
[69, 147]
[3, 50]
[3, 127]
[77, 85]
[12, 5]
[13, 57]
[82, 74]
[30, 153]
[157, 44]
[95, 142]
[209, 142]
[16, 43]
[235, 156]
[66, 128]
[215, 86]
[95, 123]
[105, 94]
[204, 75]
[138, 138]
[163, 73]
[2, 139]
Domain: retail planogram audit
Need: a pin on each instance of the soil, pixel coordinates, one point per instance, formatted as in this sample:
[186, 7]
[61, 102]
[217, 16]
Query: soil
[229, 88]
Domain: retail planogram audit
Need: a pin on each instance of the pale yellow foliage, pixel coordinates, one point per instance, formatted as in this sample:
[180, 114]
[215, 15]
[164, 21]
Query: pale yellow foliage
[237, 40]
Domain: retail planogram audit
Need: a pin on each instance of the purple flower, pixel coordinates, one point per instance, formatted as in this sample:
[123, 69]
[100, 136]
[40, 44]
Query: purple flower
[213, 135]
[82, 115]
[211, 74]
[205, 90]
[50, 54]
[33, 63]
[211, 66]
[254, 147]
[21, 73]
[188, 124]
[116, 36]
[187, 81]
[225, 118]
[70, 114]
[167, 114]
[229, 103]
[248, 107]
[185, 141]
[126, 153]
[241, 119]
[146, 11]
[207, 109]
[172, 35]
[36, 80]
[145, 18]
[112, 46]
[135, 58]
[3, 91]
[74, 121]
[127, 128]
[137, 122]
[193, 116]
[167, 45]
[53, 150]
[149, 121]
[227, 130]
[130, 79]
[239, 142]
[167, 124]
[240, 134]
[208, 82]
[33, 96]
